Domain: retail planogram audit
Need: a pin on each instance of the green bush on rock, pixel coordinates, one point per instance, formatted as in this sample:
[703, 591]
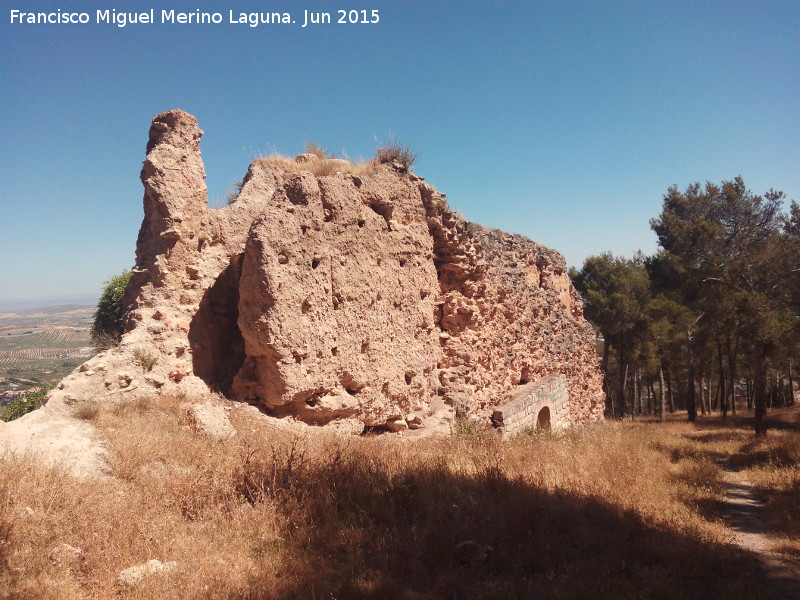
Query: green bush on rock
[109, 319]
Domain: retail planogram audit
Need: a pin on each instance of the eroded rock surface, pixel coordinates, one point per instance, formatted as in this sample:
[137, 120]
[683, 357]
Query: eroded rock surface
[349, 297]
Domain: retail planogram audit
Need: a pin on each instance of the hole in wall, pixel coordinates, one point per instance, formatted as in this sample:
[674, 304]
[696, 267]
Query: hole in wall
[385, 210]
[370, 430]
[214, 335]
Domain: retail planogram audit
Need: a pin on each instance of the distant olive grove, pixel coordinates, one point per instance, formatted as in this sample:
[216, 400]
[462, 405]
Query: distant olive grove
[712, 316]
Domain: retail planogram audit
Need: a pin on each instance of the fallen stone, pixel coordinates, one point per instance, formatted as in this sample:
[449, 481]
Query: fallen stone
[211, 420]
[413, 421]
[66, 556]
[396, 425]
[132, 576]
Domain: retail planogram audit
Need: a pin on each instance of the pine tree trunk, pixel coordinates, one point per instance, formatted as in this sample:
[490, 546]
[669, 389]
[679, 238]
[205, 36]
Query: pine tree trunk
[691, 405]
[623, 375]
[732, 367]
[723, 393]
[662, 402]
[704, 395]
[712, 406]
[749, 390]
[669, 391]
[604, 368]
[759, 390]
[770, 391]
[791, 383]
[642, 391]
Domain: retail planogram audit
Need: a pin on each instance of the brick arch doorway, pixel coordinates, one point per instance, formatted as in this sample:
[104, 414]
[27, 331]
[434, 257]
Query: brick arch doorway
[543, 418]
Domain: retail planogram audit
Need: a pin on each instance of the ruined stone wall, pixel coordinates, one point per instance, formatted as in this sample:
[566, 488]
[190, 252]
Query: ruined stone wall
[346, 299]
[338, 292]
[509, 316]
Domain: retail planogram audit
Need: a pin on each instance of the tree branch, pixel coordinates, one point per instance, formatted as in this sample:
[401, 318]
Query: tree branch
[723, 282]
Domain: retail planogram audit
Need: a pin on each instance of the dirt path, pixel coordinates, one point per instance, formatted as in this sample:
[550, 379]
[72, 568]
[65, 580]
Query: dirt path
[744, 514]
[58, 439]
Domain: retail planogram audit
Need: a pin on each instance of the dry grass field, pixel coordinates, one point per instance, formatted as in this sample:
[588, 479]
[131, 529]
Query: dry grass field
[621, 510]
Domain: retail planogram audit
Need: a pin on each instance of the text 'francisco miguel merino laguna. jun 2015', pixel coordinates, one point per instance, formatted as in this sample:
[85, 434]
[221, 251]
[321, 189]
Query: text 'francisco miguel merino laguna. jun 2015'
[197, 17]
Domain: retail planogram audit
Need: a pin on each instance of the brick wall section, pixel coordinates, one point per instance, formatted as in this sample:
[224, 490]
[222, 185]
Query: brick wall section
[522, 409]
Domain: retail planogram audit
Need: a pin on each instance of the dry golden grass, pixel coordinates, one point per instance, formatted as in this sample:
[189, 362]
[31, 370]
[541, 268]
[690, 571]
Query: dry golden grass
[322, 164]
[613, 511]
[321, 167]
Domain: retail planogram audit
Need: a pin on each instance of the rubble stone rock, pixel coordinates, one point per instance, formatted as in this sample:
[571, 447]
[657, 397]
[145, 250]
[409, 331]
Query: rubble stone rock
[210, 419]
[132, 576]
[67, 556]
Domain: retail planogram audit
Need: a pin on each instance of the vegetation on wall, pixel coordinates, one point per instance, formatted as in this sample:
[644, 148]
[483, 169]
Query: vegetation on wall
[109, 319]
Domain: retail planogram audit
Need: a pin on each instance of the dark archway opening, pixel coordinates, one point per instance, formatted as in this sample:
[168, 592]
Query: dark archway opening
[543, 418]
[214, 335]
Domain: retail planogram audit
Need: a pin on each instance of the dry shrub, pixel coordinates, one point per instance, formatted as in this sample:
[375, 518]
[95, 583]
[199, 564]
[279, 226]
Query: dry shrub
[144, 358]
[393, 151]
[318, 151]
[87, 410]
[272, 514]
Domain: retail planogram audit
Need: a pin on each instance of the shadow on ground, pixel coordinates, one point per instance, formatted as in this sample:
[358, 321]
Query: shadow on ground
[367, 534]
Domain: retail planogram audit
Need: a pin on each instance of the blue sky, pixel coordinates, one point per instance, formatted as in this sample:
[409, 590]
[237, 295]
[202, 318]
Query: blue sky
[563, 121]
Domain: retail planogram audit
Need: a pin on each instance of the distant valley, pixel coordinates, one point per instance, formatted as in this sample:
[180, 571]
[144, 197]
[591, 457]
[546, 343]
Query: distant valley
[41, 345]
